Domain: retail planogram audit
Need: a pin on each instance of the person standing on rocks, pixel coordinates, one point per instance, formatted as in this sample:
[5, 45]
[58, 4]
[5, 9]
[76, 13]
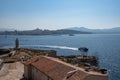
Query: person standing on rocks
[16, 43]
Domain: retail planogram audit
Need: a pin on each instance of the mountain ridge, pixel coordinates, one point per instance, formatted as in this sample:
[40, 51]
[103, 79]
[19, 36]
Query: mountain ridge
[110, 30]
[43, 32]
[71, 30]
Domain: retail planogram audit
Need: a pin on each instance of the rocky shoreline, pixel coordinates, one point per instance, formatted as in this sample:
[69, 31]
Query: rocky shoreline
[13, 69]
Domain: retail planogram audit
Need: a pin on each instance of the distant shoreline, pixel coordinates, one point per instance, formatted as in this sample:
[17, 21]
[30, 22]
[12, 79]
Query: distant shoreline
[43, 32]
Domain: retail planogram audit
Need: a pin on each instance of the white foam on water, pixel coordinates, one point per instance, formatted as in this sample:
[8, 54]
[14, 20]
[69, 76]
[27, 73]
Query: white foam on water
[63, 47]
[51, 46]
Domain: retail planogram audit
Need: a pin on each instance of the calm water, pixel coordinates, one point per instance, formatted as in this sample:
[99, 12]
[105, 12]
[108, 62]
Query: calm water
[106, 46]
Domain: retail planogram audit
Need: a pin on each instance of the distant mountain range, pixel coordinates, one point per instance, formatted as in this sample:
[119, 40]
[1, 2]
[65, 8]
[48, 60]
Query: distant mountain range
[43, 32]
[101, 31]
[70, 31]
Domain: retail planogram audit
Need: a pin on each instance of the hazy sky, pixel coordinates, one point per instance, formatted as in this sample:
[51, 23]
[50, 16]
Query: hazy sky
[57, 14]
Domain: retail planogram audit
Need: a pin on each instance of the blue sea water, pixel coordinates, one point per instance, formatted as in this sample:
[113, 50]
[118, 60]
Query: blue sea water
[106, 46]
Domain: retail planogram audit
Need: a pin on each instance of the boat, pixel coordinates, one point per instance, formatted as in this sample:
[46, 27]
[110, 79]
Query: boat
[71, 34]
[83, 49]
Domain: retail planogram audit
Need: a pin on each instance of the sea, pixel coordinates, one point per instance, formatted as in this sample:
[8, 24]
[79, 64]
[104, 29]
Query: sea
[104, 46]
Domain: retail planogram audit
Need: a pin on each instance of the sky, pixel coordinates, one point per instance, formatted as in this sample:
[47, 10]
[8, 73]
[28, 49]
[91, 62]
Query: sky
[59, 14]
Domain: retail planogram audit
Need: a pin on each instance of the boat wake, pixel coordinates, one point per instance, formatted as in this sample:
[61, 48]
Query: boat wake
[49, 46]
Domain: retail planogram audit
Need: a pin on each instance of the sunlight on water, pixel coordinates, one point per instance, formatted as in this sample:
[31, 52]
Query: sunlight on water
[106, 46]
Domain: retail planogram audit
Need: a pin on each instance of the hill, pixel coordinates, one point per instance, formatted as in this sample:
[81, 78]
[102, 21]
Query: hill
[108, 31]
[43, 32]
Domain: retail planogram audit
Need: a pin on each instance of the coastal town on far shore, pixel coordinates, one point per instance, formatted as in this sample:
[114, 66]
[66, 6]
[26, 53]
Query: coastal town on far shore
[30, 64]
